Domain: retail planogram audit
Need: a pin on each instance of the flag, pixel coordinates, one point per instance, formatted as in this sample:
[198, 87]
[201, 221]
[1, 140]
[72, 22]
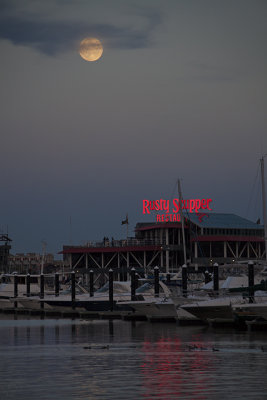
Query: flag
[125, 221]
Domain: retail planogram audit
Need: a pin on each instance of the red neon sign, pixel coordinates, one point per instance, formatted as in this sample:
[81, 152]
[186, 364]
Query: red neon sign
[191, 205]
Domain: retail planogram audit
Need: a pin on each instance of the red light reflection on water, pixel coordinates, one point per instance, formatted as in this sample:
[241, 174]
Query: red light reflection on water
[170, 369]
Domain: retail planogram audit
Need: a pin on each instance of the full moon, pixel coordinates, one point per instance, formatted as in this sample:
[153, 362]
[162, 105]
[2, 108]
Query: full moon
[91, 49]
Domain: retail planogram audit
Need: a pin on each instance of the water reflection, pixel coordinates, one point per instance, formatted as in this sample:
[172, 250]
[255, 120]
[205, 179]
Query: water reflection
[57, 337]
[103, 359]
[73, 333]
[170, 370]
[111, 327]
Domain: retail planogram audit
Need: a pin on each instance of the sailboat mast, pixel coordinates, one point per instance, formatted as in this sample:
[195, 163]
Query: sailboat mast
[264, 204]
[43, 257]
[182, 219]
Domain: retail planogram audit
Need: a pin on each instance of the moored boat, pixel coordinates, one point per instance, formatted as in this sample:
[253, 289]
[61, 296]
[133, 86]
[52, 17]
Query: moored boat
[214, 310]
[251, 311]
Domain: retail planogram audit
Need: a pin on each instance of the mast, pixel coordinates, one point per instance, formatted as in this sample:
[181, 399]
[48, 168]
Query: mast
[43, 256]
[264, 204]
[182, 219]
[70, 232]
[127, 223]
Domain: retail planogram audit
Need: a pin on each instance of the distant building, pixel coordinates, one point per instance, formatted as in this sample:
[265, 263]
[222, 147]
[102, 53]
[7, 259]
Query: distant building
[209, 238]
[4, 252]
[31, 262]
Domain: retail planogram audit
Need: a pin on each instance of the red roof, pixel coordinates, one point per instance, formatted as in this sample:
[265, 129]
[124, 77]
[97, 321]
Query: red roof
[71, 250]
[160, 225]
[227, 238]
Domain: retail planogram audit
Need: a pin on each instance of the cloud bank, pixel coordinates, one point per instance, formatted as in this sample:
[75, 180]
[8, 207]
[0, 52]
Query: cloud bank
[56, 36]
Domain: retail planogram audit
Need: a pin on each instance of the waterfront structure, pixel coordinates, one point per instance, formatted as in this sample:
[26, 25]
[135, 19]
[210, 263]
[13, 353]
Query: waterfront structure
[225, 238]
[209, 238]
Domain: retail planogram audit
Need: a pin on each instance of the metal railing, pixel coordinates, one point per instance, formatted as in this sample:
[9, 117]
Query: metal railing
[126, 243]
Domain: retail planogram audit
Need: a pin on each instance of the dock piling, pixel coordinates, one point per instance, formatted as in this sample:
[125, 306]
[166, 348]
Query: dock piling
[184, 280]
[133, 284]
[251, 281]
[216, 278]
[73, 284]
[110, 279]
[91, 283]
[15, 290]
[28, 285]
[15, 285]
[41, 286]
[56, 284]
[156, 281]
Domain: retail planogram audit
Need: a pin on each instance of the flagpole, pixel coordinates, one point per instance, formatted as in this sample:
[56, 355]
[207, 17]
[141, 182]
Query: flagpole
[182, 219]
[127, 223]
[264, 204]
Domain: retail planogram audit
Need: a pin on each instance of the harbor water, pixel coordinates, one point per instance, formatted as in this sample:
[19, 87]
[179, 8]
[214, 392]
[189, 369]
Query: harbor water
[102, 359]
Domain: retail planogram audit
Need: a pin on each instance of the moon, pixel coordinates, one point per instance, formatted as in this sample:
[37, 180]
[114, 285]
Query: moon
[91, 49]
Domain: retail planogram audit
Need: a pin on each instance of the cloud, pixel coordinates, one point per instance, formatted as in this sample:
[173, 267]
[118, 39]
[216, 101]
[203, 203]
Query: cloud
[52, 37]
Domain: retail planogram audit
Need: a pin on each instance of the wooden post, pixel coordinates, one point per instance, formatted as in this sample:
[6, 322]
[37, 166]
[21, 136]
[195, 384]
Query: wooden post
[251, 281]
[184, 280]
[56, 284]
[86, 267]
[133, 284]
[28, 285]
[120, 269]
[136, 281]
[110, 279]
[91, 283]
[216, 278]
[15, 290]
[156, 281]
[73, 284]
[126, 271]
[16, 286]
[41, 286]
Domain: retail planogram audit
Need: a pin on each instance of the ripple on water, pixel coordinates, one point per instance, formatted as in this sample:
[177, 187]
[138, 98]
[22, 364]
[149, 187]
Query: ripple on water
[120, 360]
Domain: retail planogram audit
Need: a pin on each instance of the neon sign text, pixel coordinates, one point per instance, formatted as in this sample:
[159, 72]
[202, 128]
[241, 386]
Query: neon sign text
[192, 205]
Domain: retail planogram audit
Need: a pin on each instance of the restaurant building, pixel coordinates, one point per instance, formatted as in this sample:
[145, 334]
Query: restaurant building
[209, 238]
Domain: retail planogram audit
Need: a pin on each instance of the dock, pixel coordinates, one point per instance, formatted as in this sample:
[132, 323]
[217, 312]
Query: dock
[72, 314]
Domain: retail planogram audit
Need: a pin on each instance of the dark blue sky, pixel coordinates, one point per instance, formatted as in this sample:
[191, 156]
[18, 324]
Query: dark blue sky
[180, 92]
